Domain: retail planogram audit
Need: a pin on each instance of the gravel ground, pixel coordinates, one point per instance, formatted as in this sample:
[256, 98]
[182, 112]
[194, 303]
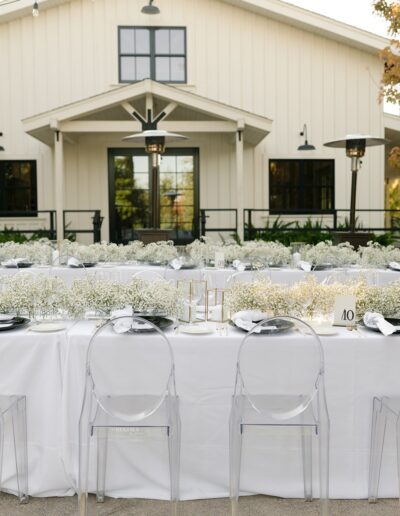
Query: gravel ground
[249, 506]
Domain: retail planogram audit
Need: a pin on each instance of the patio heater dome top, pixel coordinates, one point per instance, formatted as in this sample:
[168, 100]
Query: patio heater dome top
[370, 141]
[155, 133]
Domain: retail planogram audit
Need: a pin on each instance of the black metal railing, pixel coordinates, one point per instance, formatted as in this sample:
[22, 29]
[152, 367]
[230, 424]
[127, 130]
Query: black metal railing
[48, 230]
[93, 227]
[206, 213]
[329, 221]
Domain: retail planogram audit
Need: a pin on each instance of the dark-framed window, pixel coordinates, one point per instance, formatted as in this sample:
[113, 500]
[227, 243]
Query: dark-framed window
[18, 186]
[130, 193]
[301, 185]
[157, 53]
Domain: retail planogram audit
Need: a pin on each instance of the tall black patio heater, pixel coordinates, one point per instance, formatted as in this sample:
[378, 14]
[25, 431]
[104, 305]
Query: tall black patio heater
[355, 145]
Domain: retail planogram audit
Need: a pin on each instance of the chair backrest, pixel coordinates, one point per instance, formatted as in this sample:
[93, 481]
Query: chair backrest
[148, 275]
[248, 277]
[134, 362]
[285, 358]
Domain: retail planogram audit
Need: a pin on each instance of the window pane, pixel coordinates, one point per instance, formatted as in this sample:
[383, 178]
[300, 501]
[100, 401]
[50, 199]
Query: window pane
[128, 69]
[185, 163]
[184, 181]
[142, 68]
[167, 182]
[142, 41]
[177, 69]
[127, 41]
[140, 163]
[141, 181]
[162, 69]
[168, 164]
[162, 41]
[177, 41]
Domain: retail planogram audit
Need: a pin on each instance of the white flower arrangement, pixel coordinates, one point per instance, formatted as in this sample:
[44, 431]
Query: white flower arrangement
[158, 296]
[326, 253]
[377, 255]
[308, 298]
[32, 294]
[157, 252]
[272, 253]
[38, 251]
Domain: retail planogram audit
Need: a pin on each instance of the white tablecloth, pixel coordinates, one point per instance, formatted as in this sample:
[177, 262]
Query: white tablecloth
[215, 277]
[49, 369]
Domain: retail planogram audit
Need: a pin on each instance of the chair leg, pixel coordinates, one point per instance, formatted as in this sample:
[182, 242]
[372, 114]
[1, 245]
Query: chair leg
[235, 453]
[323, 442]
[20, 447]
[102, 447]
[306, 445]
[174, 443]
[1, 446]
[84, 448]
[377, 440]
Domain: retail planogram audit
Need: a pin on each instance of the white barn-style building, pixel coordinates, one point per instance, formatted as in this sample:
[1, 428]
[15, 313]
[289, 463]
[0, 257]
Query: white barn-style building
[239, 78]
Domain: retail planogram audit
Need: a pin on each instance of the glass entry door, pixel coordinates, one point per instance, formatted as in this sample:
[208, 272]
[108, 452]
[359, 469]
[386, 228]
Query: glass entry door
[129, 193]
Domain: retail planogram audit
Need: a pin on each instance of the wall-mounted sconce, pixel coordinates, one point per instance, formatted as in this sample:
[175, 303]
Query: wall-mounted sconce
[150, 8]
[306, 145]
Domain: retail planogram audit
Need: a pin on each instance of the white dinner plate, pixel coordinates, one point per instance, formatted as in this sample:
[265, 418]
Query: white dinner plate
[324, 330]
[196, 329]
[47, 327]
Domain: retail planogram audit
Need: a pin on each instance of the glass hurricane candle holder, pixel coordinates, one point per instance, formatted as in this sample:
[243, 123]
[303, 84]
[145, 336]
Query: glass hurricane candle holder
[217, 309]
[193, 293]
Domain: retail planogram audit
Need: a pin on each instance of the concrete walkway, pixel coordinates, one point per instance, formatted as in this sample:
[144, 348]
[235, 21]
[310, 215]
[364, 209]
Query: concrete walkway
[249, 506]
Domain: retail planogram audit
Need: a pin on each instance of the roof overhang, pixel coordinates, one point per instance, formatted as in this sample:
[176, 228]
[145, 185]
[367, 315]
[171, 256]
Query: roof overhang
[313, 22]
[111, 112]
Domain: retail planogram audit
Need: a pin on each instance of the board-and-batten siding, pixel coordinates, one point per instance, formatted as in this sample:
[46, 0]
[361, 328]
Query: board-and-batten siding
[234, 56]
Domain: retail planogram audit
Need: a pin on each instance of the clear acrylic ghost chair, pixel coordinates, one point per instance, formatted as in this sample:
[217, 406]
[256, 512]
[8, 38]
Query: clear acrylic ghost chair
[148, 275]
[385, 410]
[137, 390]
[273, 389]
[13, 409]
[248, 277]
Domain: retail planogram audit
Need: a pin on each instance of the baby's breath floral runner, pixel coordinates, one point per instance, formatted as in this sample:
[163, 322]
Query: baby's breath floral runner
[44, 295]
[309, 298]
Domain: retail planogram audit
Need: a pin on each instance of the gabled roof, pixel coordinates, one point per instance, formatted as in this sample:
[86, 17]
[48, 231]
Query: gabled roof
[275, 9]
[314, 22]
[111, 112]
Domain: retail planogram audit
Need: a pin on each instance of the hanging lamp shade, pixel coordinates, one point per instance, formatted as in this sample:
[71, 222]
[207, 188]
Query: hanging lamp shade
[150, 8]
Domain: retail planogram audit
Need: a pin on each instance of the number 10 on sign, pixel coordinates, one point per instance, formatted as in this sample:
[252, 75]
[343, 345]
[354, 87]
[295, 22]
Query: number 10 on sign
[345, 311]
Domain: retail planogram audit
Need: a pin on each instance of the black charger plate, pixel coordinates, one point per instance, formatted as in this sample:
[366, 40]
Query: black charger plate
[16, 323]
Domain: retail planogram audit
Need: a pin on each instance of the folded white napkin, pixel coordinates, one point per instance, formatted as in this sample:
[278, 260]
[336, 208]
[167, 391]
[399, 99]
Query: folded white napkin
[305, 266]
[123, 325]
[238, 265]
[395, 266]
[74, 262]
[248, 319]
[376, 320]
[14, 262]
[176, 263]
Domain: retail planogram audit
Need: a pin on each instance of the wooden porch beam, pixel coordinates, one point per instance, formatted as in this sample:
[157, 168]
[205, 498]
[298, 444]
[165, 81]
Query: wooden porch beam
[124, 126]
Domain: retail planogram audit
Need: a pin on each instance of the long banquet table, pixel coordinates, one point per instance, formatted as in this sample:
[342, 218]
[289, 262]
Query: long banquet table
[49, 369]
[216, 278]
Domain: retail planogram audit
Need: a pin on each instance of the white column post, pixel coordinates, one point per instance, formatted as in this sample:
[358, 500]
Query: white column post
[239, 178]
[59, 181]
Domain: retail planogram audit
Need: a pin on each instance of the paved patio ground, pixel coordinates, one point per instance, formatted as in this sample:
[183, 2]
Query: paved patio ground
[249, 506]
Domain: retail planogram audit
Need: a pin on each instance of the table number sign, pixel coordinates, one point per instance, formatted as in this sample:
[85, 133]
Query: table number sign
[345, 311]
[219, 260]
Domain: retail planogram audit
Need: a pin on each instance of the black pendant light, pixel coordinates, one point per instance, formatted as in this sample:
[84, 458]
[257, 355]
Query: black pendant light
[306, 145]
[150, 8]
